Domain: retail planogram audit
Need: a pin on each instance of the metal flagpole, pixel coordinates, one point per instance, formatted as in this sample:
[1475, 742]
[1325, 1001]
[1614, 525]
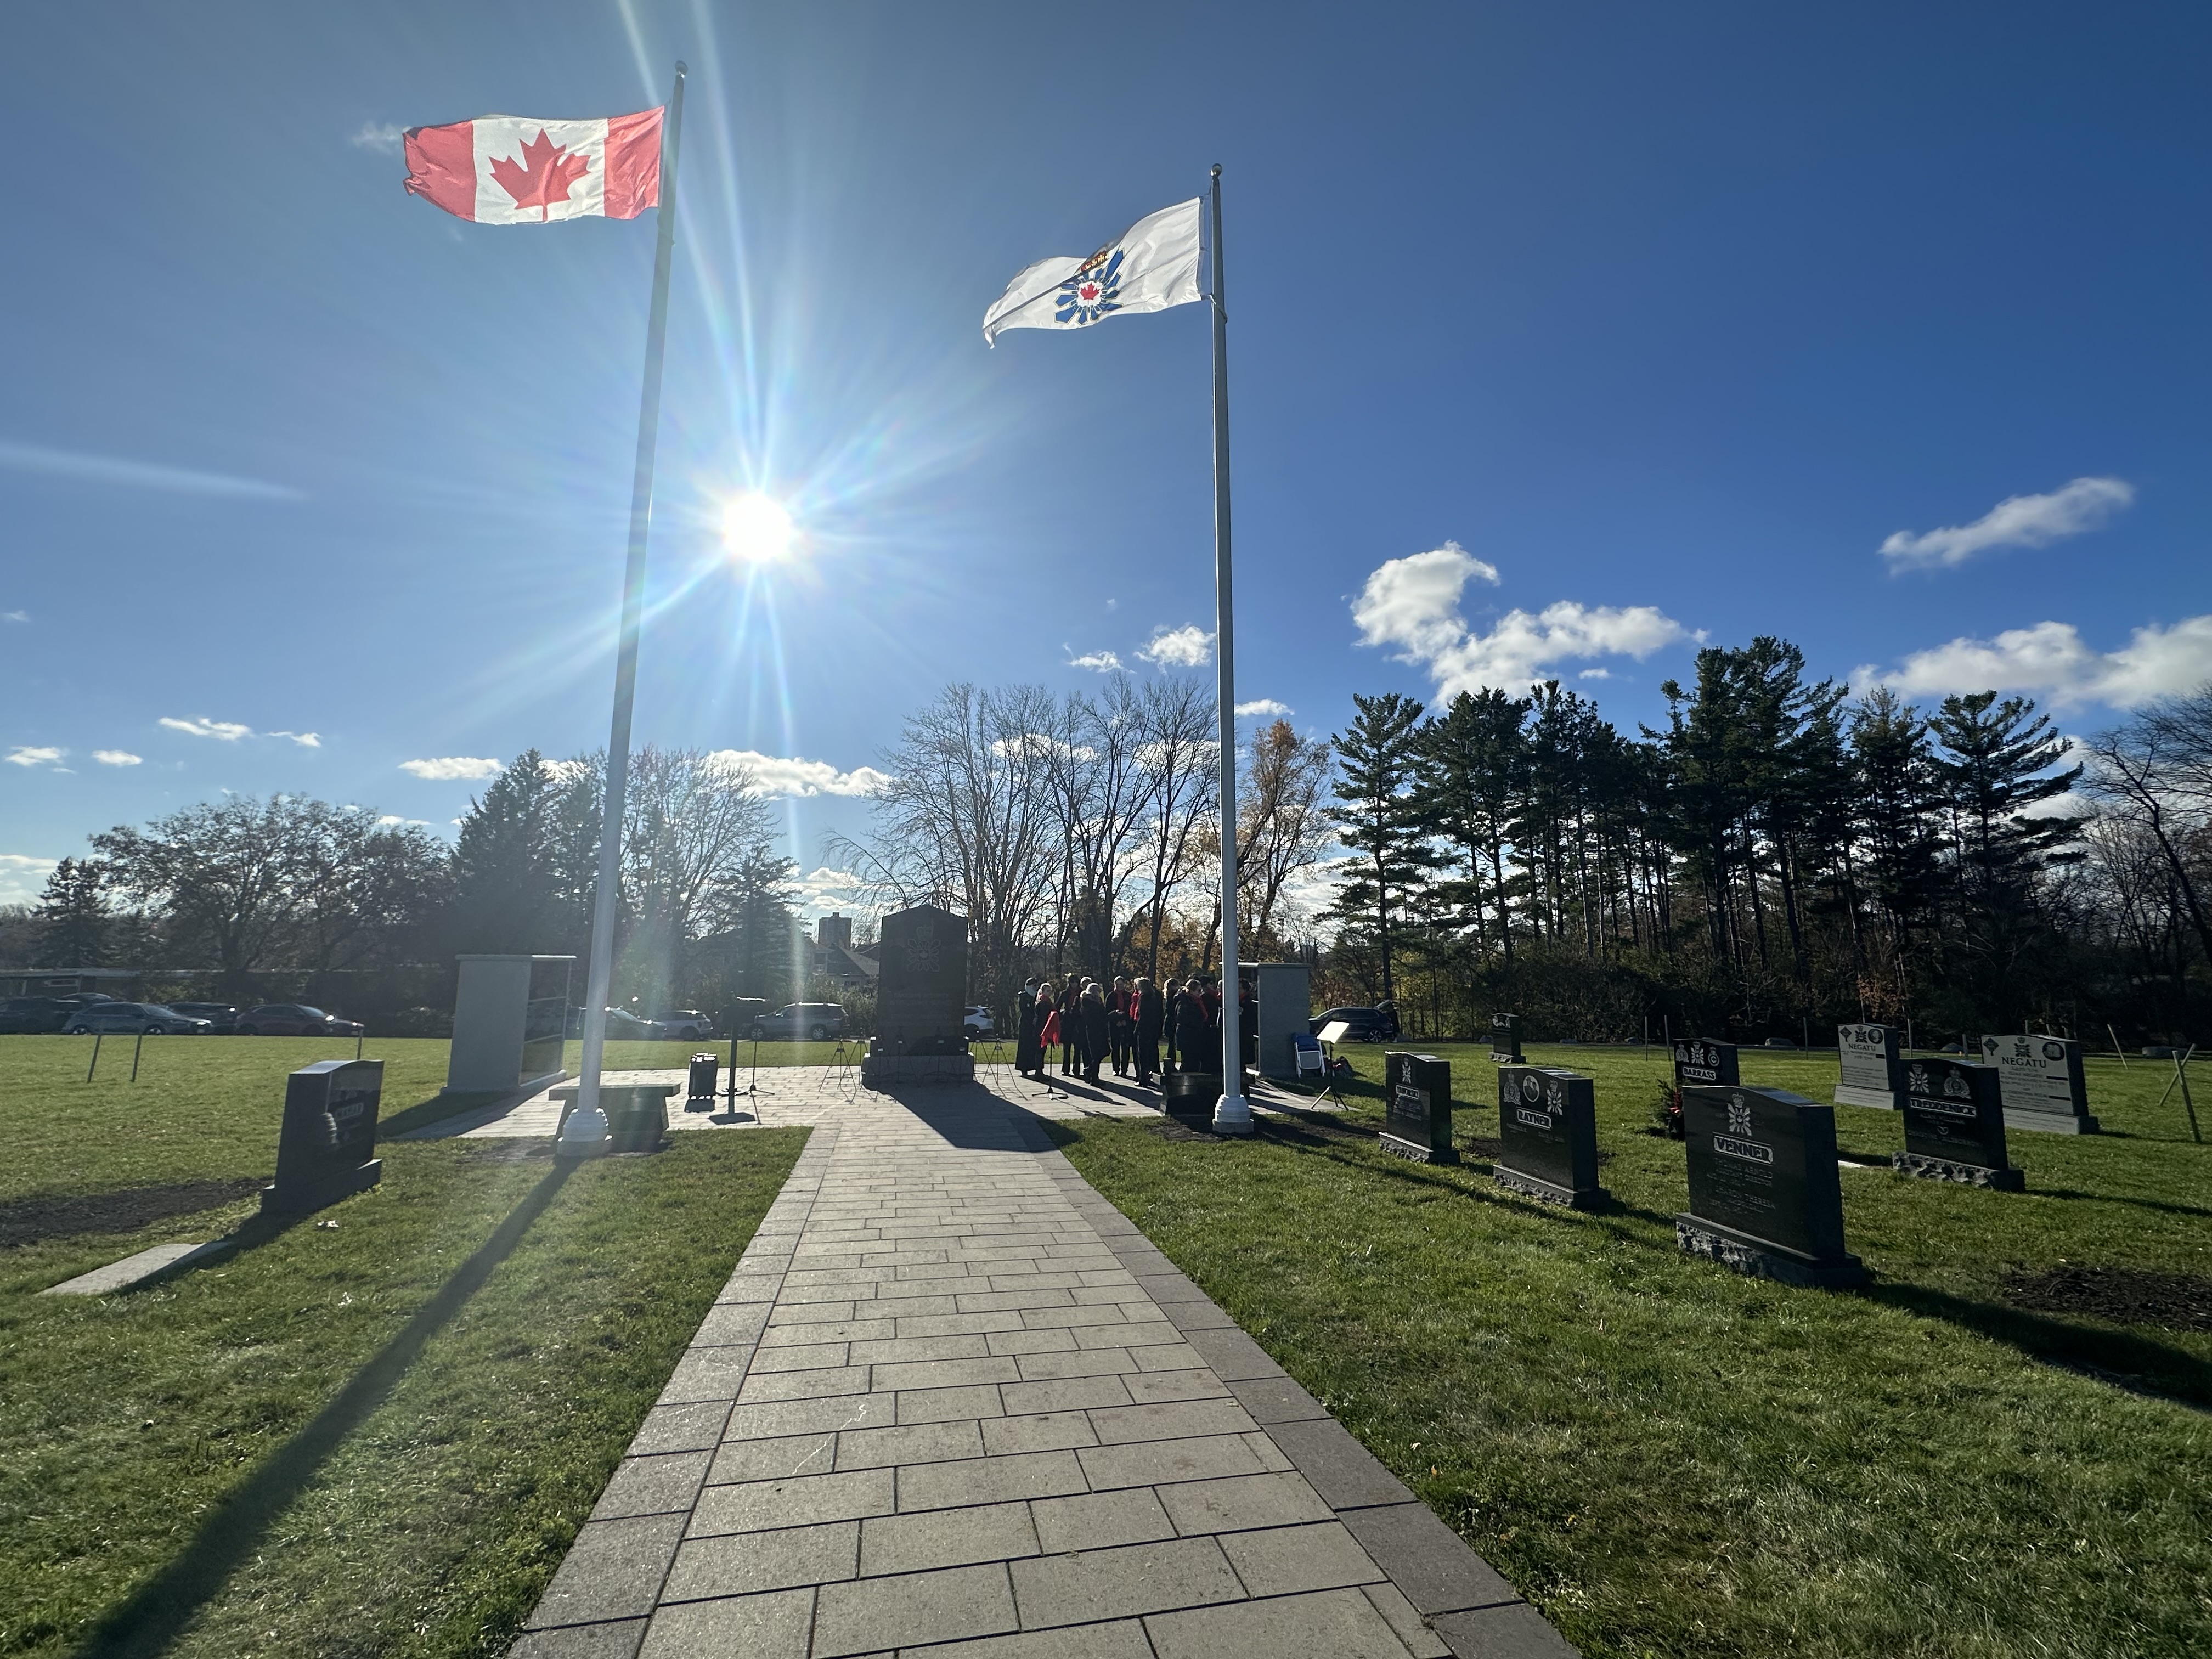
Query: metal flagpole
[600, 974]
[1233, 1117]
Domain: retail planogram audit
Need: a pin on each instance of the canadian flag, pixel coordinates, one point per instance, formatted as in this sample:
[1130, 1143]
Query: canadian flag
[506, 170]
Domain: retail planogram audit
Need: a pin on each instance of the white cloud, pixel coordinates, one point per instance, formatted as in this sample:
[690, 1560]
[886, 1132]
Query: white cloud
[14, 615]
[117, 758]
[2015, 521]
[137, 475]
[26, 757]
[227, 731]
[1414, 604]
[1098, 662]
[305, 740]
[1266, 706]
[446, 769]
[823, 891]
[2051, 659]
[778, 778]
[393, 821]
[1594, 674]
[383, 135]
[23, 878]
[1188, 647]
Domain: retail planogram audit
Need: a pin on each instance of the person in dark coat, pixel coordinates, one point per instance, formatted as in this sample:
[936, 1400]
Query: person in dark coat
[1248, 1023]
[1122, 1019]
[1194, 1032]
[1071, 1028]
[1150, 1012]
[1098, 1029]
[1027, 1048]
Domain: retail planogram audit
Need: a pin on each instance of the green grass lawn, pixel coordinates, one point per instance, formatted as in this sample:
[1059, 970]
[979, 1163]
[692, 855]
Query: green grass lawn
[374, 1437]
[1670, 1459]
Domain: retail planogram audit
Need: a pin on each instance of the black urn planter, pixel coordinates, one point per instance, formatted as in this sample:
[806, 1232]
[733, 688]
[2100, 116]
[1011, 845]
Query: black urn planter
[1190, 1094]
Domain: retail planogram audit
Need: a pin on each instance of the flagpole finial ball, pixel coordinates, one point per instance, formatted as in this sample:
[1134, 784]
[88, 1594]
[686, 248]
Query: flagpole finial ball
[1217, 169]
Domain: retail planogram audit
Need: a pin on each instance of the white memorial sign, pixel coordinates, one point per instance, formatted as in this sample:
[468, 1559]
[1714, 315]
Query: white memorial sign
[1871, 1073]
[2041, 1083]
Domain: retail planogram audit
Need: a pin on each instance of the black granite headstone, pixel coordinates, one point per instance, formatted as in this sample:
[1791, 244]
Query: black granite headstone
[1547, 1134]
[1954, 1125]
[1418, 1122]
[921, 994]
[1699, 1064]
[1765, 1198]
[2041, 1083]
[1505, 1039]
[325, 1148]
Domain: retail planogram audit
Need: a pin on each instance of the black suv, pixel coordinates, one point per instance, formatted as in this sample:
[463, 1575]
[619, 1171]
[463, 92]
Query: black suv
[1378, 1025]
[815, 1021]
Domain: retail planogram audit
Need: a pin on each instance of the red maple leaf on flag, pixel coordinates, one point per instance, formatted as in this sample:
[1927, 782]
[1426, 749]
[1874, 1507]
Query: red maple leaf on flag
[545, 176]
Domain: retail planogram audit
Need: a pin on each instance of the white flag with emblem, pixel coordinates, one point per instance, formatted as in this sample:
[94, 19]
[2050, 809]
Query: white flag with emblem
[1151, 265]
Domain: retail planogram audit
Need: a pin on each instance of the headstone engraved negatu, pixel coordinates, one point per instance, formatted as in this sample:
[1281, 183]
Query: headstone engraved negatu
[1872, 1072]
[1765, 1198]
[1700, 1064]
[1418, 1121]
[325, 1148]
[1505, 1039]
[2040, 1082]
[1954, 1125]
[1547, 1135]
[922, 999]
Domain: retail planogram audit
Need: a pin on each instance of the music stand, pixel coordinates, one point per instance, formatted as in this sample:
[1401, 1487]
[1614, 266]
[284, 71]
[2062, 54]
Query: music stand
[1328, 1037]
[752, 1091]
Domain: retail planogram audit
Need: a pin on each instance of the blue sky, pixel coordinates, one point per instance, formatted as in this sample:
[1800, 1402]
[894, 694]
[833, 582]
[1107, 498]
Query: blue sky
[1667, 319]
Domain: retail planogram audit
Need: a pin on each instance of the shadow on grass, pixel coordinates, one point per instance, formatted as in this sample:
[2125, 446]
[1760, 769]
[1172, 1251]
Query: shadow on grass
[2158, 1203]
[156, 1614]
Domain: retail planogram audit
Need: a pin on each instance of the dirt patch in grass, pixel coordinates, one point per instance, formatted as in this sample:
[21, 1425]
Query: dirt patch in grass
[2126, 1296]
[30, 1220]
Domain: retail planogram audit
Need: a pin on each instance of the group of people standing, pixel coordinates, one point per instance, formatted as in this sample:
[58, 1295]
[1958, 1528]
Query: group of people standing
[1125, 1025]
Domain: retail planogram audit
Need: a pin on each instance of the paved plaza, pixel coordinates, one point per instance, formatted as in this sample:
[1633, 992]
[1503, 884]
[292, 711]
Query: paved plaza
[952, 1402]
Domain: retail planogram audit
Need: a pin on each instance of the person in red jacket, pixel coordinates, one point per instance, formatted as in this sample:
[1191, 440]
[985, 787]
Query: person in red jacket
[1121, 1003]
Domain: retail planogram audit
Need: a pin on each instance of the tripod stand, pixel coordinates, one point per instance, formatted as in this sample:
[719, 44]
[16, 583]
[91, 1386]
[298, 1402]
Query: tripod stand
[752, 1091]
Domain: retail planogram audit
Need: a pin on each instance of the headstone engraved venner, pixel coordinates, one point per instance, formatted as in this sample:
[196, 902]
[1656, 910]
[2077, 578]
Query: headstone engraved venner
[1699, 1064]
[2039, 1079]
[1954, 1125]
[922, 1000]
[1547, 1131]
[326, 1147]
[1764, 1195]
[1505, 1039]
[1418, 1109]
[1872, 1072]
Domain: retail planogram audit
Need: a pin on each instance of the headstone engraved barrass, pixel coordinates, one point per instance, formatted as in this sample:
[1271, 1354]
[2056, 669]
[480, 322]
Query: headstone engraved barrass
[1547, 1135]
[1764, 1195]
[2040, 1082]
[1505, 1039]
[325, 1148]
[1954, 1125]
[1418, 1107]
[1700, 1064]
[1872, 1073]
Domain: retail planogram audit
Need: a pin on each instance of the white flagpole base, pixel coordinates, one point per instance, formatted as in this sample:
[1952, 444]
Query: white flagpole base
[584, 1134]
[1232, 1115]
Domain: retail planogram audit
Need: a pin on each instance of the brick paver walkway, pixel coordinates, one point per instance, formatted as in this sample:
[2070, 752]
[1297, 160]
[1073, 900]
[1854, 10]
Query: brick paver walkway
[952, 1402]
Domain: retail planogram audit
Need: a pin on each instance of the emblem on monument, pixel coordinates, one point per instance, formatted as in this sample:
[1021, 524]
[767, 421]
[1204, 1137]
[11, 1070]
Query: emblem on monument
[1739, 1111]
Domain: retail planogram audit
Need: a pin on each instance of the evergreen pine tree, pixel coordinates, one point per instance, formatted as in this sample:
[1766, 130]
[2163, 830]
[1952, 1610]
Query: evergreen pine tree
[1475, 764]
[72, 916]
[1380, 818]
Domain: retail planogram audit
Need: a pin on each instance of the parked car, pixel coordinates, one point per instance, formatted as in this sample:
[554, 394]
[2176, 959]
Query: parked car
[1378, 1025]
[815, 1021]
[1778, 1043]
[223, 1016]
[154, 1019]
[24, 1016]
[622, 1026]
[978, 1023]
[685, 1025]
[294, 1019]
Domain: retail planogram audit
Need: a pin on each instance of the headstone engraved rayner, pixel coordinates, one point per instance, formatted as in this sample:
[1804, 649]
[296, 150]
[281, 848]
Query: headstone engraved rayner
[2039, 1079]
[1954, 1125]
[1702, 1064]
[1417, 1112]
[1547, 1134]
[921, 1000]
[1505, 1039]
[1872, 1075]
[1764, 1195]
[326, 1149]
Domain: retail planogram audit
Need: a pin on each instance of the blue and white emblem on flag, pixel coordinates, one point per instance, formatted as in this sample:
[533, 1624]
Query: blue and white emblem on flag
[1093, 291]
[1151, 266]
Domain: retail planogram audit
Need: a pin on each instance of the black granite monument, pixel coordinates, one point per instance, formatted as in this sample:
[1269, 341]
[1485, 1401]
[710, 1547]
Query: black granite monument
[326, 1147]
[1699, 1064]
[921, 1000]
[1547, 1130]
[1765, 1198]
[1954, 1125]
[1418, 1108]
[1505, 1039]
[2040, 1080]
